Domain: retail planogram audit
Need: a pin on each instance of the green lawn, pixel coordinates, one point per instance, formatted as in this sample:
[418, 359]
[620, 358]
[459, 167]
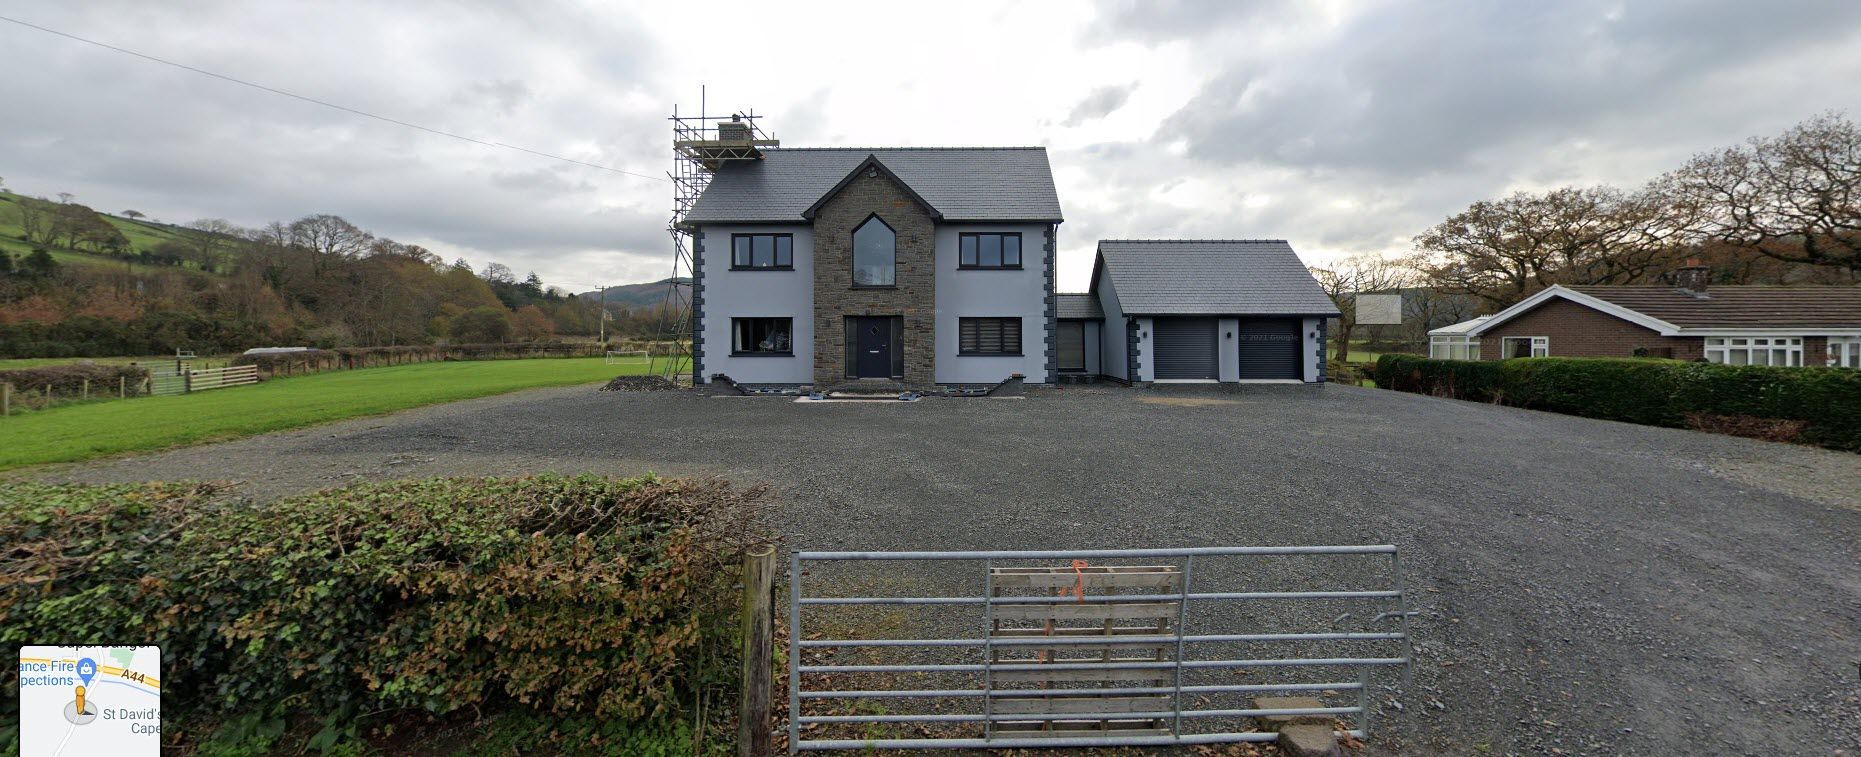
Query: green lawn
[1358, 354]
[85, 431]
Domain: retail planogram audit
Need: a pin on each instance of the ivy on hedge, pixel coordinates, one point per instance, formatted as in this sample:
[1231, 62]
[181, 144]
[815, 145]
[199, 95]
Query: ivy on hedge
[582, 595]
[1811, 405]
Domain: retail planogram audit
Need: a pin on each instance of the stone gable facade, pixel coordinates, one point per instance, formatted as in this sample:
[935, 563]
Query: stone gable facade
[835, 297]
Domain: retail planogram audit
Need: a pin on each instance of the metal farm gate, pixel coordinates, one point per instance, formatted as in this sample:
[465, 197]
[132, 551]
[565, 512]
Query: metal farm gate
[1092, 648]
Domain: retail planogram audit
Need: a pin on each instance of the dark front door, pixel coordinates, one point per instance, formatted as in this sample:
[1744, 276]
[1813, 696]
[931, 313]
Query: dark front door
[1270, 348]
[872, 347]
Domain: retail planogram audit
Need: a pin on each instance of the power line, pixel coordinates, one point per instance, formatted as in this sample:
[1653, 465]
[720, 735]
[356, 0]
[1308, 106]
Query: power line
[325, 103]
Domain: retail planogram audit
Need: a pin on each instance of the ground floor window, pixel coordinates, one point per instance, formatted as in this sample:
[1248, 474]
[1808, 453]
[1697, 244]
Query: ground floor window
[762, 336]
[1845, 351]
[1525, 346]
[988, 336]
[1454, 347]
[1755, 350]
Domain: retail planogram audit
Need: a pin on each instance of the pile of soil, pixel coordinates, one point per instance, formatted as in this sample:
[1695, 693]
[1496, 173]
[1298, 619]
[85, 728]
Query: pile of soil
[640, 384]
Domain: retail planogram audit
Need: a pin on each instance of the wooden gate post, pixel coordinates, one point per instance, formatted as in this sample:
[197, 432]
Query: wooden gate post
[754, 728]
[6, 399]
[86, 388]
[122, 387]
[187, 382]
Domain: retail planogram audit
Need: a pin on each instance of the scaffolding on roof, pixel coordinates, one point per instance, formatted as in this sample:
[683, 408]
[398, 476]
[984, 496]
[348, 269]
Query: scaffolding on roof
[701, 144]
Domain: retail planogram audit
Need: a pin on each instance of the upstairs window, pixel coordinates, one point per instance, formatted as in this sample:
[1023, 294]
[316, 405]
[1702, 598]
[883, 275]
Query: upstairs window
[988, 250]
[762, 251]
[875, 254]
[988, 336]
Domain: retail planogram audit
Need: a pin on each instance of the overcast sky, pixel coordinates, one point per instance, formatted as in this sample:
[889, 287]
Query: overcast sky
[1343, 127]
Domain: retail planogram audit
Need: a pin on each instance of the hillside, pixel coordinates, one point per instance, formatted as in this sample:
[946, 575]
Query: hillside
[142, 236]
[635, 296]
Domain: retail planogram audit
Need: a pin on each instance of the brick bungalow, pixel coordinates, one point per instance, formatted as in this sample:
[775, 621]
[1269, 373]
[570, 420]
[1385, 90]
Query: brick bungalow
[1739, 325]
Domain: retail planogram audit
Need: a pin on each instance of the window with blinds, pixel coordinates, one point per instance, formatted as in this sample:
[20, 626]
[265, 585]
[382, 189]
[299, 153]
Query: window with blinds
[988, 336]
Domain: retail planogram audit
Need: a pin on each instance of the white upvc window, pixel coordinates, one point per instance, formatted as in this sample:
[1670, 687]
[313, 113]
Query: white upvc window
[1524, 346]
[1755, 350]
[1454, 347]
[1845, 351]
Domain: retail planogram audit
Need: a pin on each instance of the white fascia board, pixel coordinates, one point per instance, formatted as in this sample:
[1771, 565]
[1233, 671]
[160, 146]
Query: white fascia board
[1790, 331]
[1603, 306]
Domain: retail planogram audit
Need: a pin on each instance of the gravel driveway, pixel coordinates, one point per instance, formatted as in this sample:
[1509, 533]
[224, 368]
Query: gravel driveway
[1587, 586]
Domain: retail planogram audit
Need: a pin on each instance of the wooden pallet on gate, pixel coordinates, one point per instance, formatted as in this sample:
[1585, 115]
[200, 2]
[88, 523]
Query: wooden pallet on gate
[1070, 692]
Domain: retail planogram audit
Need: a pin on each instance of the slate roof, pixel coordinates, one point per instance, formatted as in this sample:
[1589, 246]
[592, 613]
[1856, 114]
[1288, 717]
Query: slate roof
[1211, 277]
[961, 183]
[1078, 306]
[1768, 307]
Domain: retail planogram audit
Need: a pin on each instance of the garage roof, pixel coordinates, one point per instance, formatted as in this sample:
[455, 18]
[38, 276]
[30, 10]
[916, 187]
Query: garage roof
[959, 183]
[1210, 277]
[1071, 305]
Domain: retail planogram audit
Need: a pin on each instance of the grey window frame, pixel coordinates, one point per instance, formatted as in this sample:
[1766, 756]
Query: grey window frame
[1020, 251]
[775, 252]
[963, 321]
[853, 254]
[736, 351]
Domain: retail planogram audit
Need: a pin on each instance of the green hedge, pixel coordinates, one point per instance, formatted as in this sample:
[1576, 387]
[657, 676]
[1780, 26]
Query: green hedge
[72, 378]
[586, 596]
[1810, 405]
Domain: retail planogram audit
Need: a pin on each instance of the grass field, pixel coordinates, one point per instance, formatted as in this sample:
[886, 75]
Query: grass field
[85, 431]
[1358, 354]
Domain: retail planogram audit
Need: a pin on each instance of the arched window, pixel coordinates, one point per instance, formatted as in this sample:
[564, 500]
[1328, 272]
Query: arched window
[875, 254]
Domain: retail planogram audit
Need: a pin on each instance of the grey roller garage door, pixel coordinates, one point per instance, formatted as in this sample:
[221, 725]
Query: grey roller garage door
[1270, 348]
[1185, 348]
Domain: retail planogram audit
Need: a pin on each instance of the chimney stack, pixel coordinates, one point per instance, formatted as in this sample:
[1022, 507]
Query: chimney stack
[733, 130]
[1692, 277]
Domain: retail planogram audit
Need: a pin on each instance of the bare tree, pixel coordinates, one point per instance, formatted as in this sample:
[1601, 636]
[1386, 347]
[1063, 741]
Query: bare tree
[34, 220]
[1504, 250]
[1355, 275]
[209, 241]
[1794, 197]
[64, 198]
[329, 239]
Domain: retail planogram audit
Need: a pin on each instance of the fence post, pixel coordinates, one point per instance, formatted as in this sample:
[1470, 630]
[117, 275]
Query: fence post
[86, 388]
[187, 382]
[122, 387]
[755, 730]
[45, 397]
[6, 399]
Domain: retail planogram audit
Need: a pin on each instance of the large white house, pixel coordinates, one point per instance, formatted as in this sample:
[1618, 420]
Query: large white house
[934, 267]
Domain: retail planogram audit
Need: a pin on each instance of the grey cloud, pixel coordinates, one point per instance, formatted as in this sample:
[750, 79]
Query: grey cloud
[1424, 87]
[1155, 21]
[181, 146]
[1100, 103]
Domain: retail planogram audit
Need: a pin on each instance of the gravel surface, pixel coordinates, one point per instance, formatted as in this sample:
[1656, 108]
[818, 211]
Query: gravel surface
[1584, 586]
